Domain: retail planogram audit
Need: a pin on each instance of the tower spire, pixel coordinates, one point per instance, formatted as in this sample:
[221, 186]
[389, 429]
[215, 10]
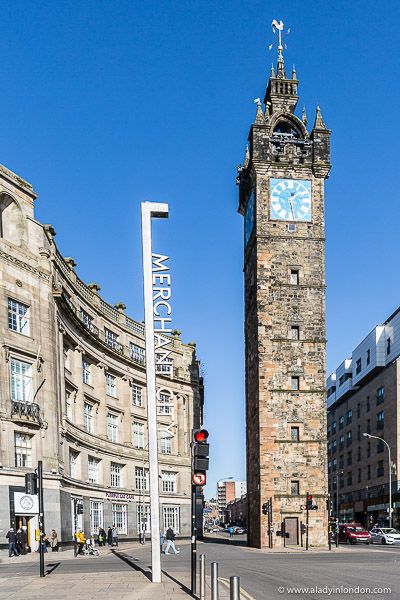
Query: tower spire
[278, 27]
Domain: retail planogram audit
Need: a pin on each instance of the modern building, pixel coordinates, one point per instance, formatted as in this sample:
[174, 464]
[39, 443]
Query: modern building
[364, 398]
[281, 197]
[73, 393]
[227, 491]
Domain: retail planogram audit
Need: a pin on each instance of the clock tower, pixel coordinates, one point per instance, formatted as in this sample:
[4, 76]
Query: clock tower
[281, 196]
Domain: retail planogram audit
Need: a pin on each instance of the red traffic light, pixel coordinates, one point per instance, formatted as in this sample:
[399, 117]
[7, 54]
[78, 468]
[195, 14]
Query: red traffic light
[200, 436]
[309, 497]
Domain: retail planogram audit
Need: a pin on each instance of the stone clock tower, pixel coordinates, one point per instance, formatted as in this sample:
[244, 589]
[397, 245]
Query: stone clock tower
[281, 196]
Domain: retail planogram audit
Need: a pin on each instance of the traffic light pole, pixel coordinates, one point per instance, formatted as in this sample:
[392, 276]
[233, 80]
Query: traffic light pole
[307, 511]
[41, 517]
[193, 551]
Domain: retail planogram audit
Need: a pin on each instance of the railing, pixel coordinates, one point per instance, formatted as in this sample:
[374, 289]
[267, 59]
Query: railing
[26, 410]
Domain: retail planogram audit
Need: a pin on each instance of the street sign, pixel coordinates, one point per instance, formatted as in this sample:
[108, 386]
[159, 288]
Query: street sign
[303, 507]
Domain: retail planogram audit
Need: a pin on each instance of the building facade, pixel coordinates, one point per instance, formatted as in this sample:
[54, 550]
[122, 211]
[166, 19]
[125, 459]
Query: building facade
[236, 511]
[227, 491]
[73, 393]
[364, 398]
[281, 197]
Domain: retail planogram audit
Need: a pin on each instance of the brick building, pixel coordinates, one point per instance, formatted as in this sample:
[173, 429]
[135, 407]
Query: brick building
[364, 397]
[281, 197]
[73, 392]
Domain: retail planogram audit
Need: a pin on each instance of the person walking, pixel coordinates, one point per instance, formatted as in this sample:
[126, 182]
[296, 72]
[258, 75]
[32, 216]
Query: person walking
[114, 536]
[21, 541]
[12, 542]
[101, 537]
[54, 541]
[170, 536]
[231, 531]
[161, 541]
[109, 536]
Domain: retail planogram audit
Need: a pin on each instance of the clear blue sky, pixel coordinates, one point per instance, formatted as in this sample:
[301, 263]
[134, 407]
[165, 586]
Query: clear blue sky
[107, 104]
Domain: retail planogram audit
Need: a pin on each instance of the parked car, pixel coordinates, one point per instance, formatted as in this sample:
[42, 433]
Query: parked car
[239, 530]
[353, 533]
[385, 535]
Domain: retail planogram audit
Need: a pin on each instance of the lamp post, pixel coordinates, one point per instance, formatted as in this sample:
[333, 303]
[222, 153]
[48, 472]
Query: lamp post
[151, 210]
[390, 472]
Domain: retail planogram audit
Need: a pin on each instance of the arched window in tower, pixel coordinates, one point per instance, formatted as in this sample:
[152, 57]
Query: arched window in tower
[11, 220]
[286, 129]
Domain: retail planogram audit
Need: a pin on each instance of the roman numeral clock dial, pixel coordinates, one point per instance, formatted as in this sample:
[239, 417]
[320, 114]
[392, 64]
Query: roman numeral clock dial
[290, 200]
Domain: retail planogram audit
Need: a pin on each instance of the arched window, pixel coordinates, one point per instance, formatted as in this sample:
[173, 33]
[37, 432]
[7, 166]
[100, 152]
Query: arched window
[286, 129]
[11, 221]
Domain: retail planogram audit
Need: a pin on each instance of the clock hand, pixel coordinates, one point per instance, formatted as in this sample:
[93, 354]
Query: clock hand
[291, 206]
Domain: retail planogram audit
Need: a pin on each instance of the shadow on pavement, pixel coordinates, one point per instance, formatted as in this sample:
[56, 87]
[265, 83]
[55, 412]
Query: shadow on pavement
[183, 586]
[129, 561]
[226, 541]
[50, 567]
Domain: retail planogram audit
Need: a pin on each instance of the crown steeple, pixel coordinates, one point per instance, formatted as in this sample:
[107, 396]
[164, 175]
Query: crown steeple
[281, 94]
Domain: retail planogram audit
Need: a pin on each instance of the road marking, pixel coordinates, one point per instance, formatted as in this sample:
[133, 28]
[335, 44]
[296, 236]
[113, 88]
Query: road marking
[243, 592]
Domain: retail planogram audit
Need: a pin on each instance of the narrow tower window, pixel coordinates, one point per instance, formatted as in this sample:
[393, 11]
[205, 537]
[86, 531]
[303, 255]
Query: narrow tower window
[294, 277]
[294, 434]
[295, 332]
[295, 383]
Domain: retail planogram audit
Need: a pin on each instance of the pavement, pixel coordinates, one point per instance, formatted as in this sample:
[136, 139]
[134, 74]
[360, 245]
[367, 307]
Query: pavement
[123, 573]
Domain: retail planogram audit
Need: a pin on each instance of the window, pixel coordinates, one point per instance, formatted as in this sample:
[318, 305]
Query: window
[358, 410]
[341, 461]
[369, 426]
[295, 383]
[18, 316]
[294, 277]
[143, 517]
[166, 444]
[349, 437]
[380, 395]
[358, 366]
[334, 428]
[341, 380]
[111, 338]
[368, 404]
[294, 488]
[112, 427]
[341, 422]
[21, 380]
[171, 518]
[119, 515]
[359, 433]
[359, 476]
[138, 435]
[116, 479]
[88, 417]
[359, 453]
[341, 441]
[69, 404]
[380, 446]
[380, 471]
[349, 459]
[164, 403]
[349, 416]
[137, 353]
[295, 332]
[388, 346]
[141, 478]
[93, 469]
[164, 364]
[380, 419]
[368, 357]
[111, 387]
[368, 449]
[86, 371]
[168, 482]
[73, 464]
[334, 464]
[136, 395]
[295, 434]
[86, 319]
[333, 446]
[369, 472]
[23, 449]
[96, 516]
[349, 478]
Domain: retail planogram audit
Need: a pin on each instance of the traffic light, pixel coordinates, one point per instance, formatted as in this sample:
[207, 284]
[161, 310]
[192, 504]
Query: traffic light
[200, 452]
[79, 508]
[265, 508]
[303, 528]
[309, 502]
[31, 486]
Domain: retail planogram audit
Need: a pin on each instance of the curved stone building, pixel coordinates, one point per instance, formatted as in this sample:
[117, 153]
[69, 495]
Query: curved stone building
[73, 393]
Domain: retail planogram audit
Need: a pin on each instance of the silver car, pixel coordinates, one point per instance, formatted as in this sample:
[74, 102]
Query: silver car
[385, 535]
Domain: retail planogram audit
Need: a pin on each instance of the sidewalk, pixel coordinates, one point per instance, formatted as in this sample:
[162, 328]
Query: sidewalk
[107, 577]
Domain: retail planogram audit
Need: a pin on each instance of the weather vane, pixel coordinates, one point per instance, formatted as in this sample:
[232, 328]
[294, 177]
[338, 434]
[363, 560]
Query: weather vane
[279, 27]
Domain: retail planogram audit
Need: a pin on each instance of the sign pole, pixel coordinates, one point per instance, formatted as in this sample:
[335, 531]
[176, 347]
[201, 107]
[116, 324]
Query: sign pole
[41, 518]
[193, 552]
[149, 210]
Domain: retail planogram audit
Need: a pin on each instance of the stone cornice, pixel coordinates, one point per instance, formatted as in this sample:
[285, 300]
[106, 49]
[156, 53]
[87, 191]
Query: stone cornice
[23, 265]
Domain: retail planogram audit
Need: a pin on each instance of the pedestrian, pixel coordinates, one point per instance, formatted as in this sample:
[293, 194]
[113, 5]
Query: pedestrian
[170, 535]
[21, 541]
[109, 537]
[45, 542]
[80, 540]
[231, 530]
[54, 540]
[12, 542]
[101, 537]
[114, 536]
[161, 541]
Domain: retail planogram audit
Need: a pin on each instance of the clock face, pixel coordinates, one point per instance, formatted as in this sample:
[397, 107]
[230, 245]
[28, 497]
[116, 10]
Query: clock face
[249, 218]
[290, 200]
[26, 502]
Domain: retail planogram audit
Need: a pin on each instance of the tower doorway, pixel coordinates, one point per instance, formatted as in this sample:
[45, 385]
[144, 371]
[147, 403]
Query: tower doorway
[292, 531]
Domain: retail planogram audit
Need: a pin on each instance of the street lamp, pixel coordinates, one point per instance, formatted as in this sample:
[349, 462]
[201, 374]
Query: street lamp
[337, 506]
[218, 482]
[390, 473]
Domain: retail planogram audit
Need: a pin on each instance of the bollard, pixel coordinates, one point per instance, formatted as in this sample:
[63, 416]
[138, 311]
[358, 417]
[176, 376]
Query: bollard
[214, 581]
[202, 577]
[234, 588]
